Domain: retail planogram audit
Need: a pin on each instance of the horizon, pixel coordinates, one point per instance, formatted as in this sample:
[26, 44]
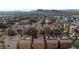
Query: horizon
[28, 10]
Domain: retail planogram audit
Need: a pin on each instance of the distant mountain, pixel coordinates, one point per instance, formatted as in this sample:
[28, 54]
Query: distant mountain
[13, 13]
[71, 10]
[41, 11]
[67, 11]
[46, 11]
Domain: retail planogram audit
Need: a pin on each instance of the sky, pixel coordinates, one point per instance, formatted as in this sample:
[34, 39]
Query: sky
[28, 5]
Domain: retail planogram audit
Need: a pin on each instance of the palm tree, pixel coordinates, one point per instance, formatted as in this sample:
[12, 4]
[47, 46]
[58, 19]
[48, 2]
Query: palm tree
[68, 27]
[76, 31]
[43, 22]
[56, 32]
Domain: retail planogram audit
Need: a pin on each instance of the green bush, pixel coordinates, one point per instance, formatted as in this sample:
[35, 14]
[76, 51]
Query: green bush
[76, 43]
